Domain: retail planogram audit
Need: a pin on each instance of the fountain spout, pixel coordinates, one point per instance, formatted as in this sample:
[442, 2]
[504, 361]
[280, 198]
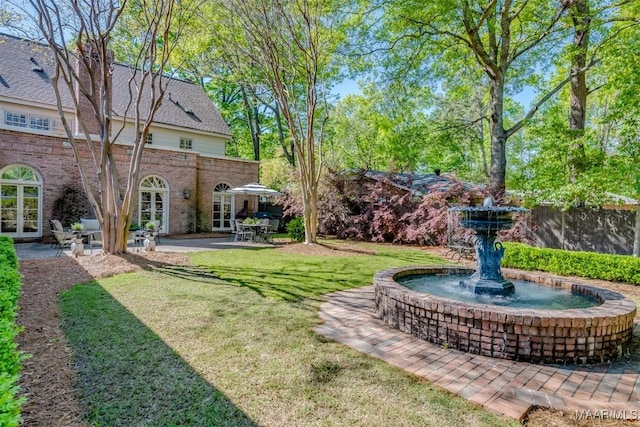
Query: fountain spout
[487, 221]
[488, 202]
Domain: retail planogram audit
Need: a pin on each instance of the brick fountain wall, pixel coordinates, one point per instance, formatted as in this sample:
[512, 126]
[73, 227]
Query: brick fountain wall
[573, 336]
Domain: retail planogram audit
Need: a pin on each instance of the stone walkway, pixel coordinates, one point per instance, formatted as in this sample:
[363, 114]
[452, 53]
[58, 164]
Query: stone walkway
[507, 387]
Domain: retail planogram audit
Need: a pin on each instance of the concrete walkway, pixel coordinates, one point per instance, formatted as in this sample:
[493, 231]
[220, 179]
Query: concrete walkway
[507, 387]
[26, 251]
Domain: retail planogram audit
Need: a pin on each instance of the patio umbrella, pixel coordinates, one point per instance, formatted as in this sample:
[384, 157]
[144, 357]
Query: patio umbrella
[255, 189]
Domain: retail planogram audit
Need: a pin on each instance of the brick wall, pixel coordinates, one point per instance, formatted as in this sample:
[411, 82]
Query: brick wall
[183, 171]
[577, 336]
[233, 172]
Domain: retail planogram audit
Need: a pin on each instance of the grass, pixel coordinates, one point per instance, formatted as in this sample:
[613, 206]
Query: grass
[228, 341]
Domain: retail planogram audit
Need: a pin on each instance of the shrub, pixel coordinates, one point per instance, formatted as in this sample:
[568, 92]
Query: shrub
[295, 229]
[9, 355]
[618, 268]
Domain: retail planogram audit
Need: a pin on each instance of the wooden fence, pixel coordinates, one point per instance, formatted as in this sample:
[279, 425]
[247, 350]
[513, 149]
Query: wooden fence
[584, 229]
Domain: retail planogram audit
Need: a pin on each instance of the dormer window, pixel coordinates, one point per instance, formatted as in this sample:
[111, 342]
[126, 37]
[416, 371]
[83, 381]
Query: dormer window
[12, 118]
[186, 143]
[40, 123]
[23, 120]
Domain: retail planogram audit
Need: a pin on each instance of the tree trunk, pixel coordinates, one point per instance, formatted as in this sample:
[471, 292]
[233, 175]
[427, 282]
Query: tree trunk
[288, 151]
[580, 15]
[251, 115]
[480, 125]
[636, 236]
[498, 139]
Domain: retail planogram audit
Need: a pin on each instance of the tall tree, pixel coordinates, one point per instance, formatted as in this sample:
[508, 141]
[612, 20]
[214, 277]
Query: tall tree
[289, 45]
[383, 128]
[620, 63]
[84, 73]
[508, 41]
[580, 14]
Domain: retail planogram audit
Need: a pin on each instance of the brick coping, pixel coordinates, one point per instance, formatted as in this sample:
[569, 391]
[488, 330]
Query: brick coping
[589, 335]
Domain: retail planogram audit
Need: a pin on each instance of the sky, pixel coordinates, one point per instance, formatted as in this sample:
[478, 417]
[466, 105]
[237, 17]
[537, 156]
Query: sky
[350, 87]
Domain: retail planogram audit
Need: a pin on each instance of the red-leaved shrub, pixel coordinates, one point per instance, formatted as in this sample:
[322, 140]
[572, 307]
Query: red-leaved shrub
[381, 211]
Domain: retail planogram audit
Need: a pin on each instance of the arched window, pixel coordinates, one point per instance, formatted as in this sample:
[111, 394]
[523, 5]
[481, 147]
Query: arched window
[20, 201]
[224, 206]
[153, 202]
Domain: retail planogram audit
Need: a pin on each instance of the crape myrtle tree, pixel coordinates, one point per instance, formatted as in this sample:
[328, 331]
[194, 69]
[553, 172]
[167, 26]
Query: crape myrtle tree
[289, 45]
[80, 35]
[246, 103]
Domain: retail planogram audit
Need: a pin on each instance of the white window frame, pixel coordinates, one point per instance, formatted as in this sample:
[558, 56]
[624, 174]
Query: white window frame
[149, 139]
[155, 184]
[36, 122]
[220, 191]
[186, 143]
[10, 119]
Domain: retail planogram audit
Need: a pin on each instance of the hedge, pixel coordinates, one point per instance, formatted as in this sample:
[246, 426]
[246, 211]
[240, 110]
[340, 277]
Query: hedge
[9, 355]
[617, 268]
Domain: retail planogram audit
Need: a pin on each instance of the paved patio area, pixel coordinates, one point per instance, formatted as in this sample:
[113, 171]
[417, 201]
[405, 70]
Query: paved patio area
[507, 387]
[38, 250]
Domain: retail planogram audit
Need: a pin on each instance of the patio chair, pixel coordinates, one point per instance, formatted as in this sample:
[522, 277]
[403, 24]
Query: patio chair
[464, 248]
[272, 229]
[243, 233]
[234, 231]
[95, 238]
[53, 227]
[64, 240]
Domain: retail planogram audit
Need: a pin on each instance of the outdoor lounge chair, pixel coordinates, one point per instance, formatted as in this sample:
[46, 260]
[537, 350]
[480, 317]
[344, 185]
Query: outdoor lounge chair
[64, 240]
[55, 225]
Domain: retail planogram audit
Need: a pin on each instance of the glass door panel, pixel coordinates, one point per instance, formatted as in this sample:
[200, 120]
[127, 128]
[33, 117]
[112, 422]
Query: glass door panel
[20, 210]
[159, 208]
[226, 223]
[153, 208]
[9, 209]
[30, 209]
[222, 211]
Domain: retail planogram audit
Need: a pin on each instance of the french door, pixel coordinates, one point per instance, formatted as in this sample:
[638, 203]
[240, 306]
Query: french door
[20, 202]
[154, 203]
[223, 208]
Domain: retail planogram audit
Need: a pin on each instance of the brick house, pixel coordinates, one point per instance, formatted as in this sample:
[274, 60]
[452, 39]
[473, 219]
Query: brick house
[184, 175]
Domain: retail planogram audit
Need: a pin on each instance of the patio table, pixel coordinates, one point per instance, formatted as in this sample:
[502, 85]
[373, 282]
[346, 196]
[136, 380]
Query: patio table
[258, 232]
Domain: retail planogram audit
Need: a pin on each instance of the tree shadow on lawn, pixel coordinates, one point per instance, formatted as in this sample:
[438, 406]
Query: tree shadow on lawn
[128, 376]
[306, 279]
[292, 285]
[279, 285]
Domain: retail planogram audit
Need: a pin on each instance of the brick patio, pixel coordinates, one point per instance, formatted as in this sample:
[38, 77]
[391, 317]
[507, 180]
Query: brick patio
[506, 387]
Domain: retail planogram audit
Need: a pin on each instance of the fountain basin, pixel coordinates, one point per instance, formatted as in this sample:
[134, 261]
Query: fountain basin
[572, 336]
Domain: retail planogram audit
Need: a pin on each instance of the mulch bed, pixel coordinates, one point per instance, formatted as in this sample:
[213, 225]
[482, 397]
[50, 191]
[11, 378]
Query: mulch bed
[47, 379]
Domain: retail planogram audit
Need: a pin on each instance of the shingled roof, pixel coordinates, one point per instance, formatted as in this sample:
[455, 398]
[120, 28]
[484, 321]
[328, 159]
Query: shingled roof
[26, 68]
[420, 184]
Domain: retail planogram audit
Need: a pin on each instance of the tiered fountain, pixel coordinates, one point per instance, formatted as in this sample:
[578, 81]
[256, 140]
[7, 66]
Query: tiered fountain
[526, 316]
[487, 221]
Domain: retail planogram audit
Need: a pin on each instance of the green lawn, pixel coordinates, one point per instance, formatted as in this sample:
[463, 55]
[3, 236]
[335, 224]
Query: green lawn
[228, 341]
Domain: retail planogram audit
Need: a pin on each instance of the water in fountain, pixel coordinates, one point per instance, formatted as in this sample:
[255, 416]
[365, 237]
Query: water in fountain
[527, 294]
